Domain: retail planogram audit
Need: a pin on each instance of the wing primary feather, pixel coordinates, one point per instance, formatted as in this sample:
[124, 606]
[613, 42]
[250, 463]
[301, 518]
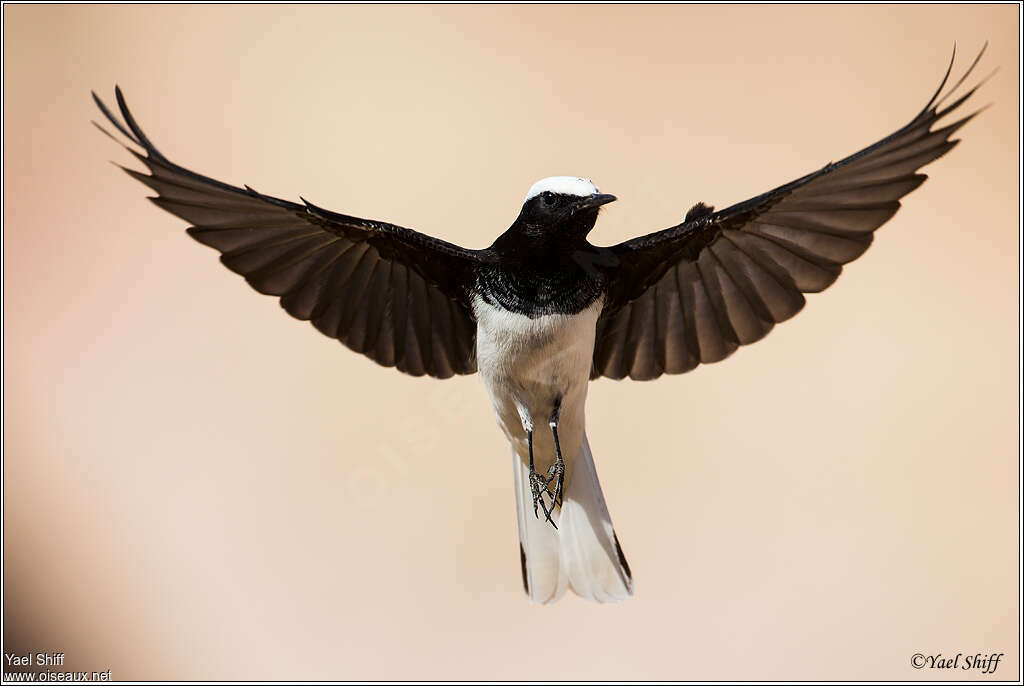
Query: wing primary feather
[962, 78]
[300, 300]
[300, 256]
[959, 101]
[251, 263]
[113, 120]
[942, 84]
[811, 274]
[281, 279]
[140, 136]
[107, 133]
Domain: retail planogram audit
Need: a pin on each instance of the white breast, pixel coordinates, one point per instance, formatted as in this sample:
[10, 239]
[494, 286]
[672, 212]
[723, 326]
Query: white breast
[528, 363]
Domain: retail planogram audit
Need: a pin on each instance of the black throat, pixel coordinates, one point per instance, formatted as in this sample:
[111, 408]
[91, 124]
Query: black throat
[540, 271]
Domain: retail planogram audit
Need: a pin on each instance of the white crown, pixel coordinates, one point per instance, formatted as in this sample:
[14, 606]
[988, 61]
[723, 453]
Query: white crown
[565, 185]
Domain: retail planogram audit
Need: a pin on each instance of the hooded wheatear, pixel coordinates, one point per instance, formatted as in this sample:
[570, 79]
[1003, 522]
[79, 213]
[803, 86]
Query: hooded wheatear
[542, 311]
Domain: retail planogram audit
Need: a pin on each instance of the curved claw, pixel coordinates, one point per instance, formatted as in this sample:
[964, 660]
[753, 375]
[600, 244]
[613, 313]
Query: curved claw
[538, 487]
[556, 473]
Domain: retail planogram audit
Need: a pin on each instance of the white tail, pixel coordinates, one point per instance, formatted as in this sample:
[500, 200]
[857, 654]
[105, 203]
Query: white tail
[583, 554]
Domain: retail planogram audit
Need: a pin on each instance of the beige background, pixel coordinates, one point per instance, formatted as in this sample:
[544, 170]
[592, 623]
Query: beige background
[198, 486]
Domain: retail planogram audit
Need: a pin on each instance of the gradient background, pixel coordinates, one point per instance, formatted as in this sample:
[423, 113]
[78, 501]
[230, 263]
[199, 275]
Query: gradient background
[198, 486]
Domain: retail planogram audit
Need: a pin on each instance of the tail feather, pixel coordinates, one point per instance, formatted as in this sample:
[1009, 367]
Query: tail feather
[591, 554]
[538, 543]
[583, 554]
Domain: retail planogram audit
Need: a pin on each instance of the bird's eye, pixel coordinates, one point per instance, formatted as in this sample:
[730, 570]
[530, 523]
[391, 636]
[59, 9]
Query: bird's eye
[549, 198]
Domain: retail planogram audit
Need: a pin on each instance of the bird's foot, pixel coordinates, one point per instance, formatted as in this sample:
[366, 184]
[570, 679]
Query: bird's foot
[539, 487]
[556, 473]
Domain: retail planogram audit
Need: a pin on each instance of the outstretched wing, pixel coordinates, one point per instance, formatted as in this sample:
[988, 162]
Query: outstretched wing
[693, 293]
[395, 295]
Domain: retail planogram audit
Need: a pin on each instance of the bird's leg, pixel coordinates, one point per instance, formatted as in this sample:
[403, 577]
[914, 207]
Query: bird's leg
[538, 484]
[556, 472]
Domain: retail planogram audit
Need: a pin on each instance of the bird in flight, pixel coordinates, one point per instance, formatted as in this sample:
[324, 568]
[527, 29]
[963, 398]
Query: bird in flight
[542, 311]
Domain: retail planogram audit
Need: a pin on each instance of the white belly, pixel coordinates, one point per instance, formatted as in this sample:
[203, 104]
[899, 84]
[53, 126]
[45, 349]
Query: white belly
[528, 364]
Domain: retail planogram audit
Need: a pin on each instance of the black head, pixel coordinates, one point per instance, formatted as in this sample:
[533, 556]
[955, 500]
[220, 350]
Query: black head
[558, 210]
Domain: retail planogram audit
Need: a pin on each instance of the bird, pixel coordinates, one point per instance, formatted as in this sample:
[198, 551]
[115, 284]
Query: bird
[542, 312]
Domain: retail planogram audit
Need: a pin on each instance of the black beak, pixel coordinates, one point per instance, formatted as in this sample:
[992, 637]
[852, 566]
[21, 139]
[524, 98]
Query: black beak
[592, 201]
